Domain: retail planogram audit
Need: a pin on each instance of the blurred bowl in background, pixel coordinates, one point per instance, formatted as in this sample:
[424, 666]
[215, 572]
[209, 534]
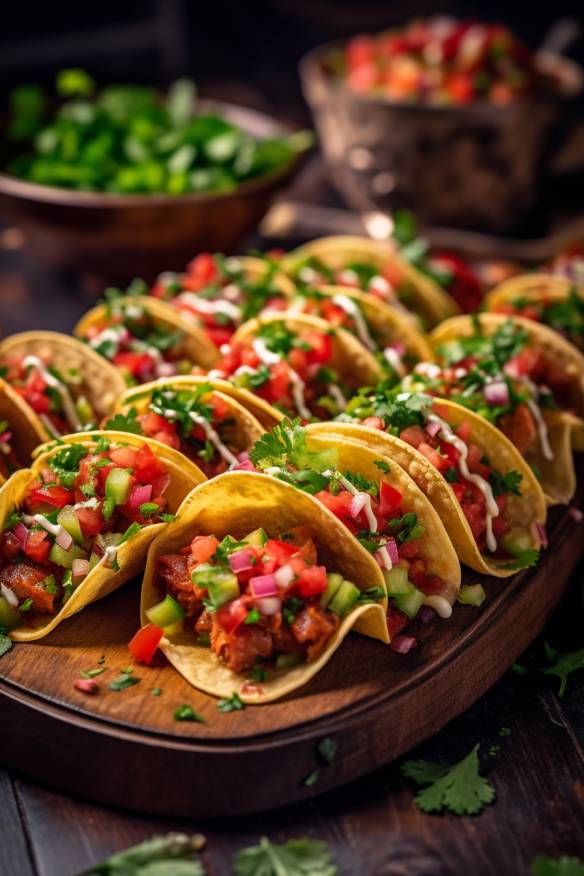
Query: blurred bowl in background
[475, 166]
[118, 237]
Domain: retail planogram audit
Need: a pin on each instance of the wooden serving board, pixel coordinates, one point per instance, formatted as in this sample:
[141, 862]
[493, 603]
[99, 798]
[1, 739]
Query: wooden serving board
[125, 748]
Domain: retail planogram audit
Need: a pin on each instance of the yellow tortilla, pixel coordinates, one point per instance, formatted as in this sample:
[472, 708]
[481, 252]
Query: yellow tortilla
[27, 430]
[101, 383]
[195, 346]
[522, 510]
[184, 475]
[425, 297]
[237, 503]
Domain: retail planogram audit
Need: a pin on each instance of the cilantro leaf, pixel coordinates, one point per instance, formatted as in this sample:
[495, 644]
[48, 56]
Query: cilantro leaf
[286, 445]
[507, 483]
[297, 857]
[187, 713]
[563, 665]
[525, 560]
[458, 787]
[65, 463]
[125, 423]
[563, 866]
[231, 704]
[382, 466]
[169, 855]
[5, 643]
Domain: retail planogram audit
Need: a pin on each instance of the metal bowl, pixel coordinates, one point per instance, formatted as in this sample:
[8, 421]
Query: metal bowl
[122, 236]
[475, 166]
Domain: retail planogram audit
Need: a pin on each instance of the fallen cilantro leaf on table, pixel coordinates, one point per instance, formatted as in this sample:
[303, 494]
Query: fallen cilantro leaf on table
[327, 750]
[187, 713]
[563, 665]
[231, 704]
[311, 779]
[92, 673]
[169, 855]
[123, 680]
[297, 857]
[563, 866]
[457, 787]
[5, 642]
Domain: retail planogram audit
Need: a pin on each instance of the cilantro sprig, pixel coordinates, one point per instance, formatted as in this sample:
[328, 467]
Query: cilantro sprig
[296, 857]
[458, 787]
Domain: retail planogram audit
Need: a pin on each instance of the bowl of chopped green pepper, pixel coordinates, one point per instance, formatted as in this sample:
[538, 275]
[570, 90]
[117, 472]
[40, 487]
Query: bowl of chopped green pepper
[127, 180]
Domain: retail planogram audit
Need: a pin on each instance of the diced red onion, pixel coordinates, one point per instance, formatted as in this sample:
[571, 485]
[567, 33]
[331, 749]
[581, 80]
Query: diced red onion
[392, 550]
[496, 393]
[426, 614]
[357, 504]
[5, 437]
[403, 644]
[246, 465]
[166, 369]
[64, 539]
[539, 535]
[263, 585]
[241, 561]
[432, 428]
[269, 605]
[21, 533]
[86, 685]
[9, 595]
[284, 576]
[576, 514]
[381, 557]
[398, 347]
[140, 495]
[80, 568]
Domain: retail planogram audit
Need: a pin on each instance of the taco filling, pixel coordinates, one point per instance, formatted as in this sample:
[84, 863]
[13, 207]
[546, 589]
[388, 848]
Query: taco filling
[9, 461]
[564, 314]
[198, 422]
[258, 603]
[288, 368]
[373, 511]
[57, 397]
[84, 505]
[141, 346]
[480, 489]
[218, 294]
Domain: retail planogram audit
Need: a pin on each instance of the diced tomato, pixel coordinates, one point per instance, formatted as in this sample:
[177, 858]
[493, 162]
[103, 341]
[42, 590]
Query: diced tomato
[413, 435]
[396, 621]
[39, 402]
[55, 496]
[311, 581]
[339, 504]
[301, 537]
[526, 361]
[152, 423]
[38, 547]
[203, 547]
[281, 551]
[220, 407]
[433, 456]
[298, 359]
[374, 423]
[464, 431]
[148, 466]
[460, 88]
[279, 383]
[171, 439]
[219, 334]
[138, 364]
[321, 347]
[203, 270]
[125, 457]
[389, 499]
[144, 644]
[90, 521]
[231, 615]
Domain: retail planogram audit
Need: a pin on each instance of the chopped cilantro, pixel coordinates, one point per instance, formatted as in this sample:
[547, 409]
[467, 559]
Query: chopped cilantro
[459, 787]
[361, 482]
[231, 704]
[147, 509]
[65, 463]
[156, 691]
[5, 642]
[49, 585]
[297, 857]
[102, 445]
[326, 749]
[167, 518]
[382, 465]
[253, 617]
[311, 779]
[88, 489]
[291, 608]
[187, 713]
[563, 665]
[525, 560]
[92, 673]
[507, 483]
[451, 475]
[406, 528]
[286, 445]
[125, 679]
[258, 673]
[132, 530]
[26, 605]
[125, 423]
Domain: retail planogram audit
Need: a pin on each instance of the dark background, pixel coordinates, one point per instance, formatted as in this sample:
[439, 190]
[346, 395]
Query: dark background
[248, 50]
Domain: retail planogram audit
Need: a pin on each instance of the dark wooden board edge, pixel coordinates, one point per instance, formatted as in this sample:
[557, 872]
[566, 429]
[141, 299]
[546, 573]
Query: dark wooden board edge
[120, 765]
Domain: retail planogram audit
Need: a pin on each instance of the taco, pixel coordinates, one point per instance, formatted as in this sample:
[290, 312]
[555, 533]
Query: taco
[379, 504]
[544, 298]
[193, 417]
[373, 267]
[384, 331]
[522, 377]
[487, 496]
[298, 363]
[66, 386]
[144, 338]
[20, 432]
[77, 524]
[218, 294]
[283, 580]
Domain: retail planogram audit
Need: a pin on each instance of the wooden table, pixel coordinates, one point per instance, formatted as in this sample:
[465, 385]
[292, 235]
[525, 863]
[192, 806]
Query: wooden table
[373, 826]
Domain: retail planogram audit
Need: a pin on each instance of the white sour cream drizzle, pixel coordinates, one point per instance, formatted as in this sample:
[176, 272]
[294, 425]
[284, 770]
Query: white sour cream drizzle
[214, 438]
[440, 605]
[109, 555]
[298, 385]
[203, 305]
[41, 520]
[112, 334]
[450, 437]
[394, 359]
[542, 429]
[346, 303]
[371, 519]
[51, 380]
[9, 595]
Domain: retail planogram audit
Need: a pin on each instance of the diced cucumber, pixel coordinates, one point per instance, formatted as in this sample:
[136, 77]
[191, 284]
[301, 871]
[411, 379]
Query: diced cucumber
[410, 603]
[166, 613]
[221, 584]
[285, 661]
[517, 541]
[472, 594]
[333, 582]
[84, 410]
[117, 486]
[397, 581]
[345, 598]
[9, 617]
[69, 521]
[258, 538]
[64, 558]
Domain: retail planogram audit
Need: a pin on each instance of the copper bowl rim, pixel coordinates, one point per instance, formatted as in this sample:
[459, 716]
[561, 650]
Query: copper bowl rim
[569, 75]
[16, 187]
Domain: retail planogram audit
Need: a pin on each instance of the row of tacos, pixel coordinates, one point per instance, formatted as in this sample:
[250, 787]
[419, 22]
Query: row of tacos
[290, 480]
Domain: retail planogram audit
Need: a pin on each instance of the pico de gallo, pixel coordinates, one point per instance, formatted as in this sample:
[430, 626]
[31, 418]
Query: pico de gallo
[288, 368]
[59, 398]
[9, 462]
[503, 377]
[440, 61]
[259, 603]
[142, 347]
[198, 422]
[481, 490]
[84, 504]
[563, 314]
[218, 294]
[373, 511]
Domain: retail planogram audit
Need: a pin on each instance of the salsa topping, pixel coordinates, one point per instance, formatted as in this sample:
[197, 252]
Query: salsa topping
[564, 315]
